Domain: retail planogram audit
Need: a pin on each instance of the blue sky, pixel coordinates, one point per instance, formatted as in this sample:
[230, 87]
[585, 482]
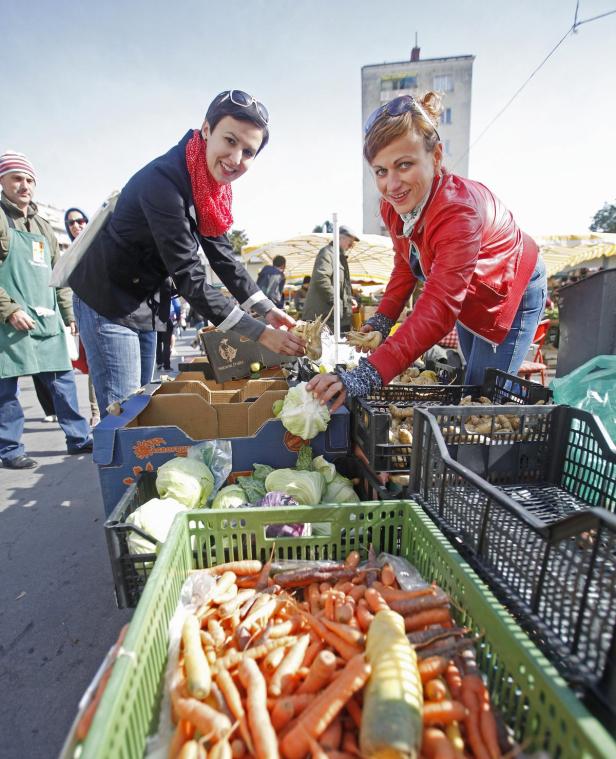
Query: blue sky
[94, 90]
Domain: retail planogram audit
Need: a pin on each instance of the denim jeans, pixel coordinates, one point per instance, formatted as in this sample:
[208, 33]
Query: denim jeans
[508, 356]
[63, 391]
[120, 359]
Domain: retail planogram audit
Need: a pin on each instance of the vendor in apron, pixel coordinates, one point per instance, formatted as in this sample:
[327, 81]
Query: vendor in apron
[32, 336]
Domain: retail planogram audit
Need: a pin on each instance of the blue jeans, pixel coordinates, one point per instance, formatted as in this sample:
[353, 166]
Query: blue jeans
[508, 356]
[61, 386]
[120, 359]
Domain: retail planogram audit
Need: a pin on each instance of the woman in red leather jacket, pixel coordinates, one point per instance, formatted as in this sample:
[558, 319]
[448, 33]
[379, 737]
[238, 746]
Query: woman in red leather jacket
[482, 274]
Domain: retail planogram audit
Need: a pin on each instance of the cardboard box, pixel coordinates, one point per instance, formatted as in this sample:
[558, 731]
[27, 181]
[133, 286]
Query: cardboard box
[152, 429]
[230, 355]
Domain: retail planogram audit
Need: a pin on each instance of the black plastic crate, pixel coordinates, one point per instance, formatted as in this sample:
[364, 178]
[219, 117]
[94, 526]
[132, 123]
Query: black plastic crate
[533, 511]
[371, 418]
[130, 571]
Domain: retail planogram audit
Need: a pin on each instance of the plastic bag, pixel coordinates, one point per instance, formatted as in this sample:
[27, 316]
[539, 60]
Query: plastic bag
[591, 387]
[218, 457]
[407, 575]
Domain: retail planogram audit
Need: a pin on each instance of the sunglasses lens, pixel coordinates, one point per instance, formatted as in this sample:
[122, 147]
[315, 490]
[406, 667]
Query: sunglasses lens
[262, 111]
[239, 97]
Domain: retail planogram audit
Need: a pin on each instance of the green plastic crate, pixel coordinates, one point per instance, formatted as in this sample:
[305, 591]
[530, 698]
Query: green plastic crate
[525, 687]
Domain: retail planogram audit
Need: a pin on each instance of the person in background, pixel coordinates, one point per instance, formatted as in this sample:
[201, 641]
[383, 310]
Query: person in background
[75, 221]
[164, 324]
[178, 203]
[320, 296]
[482, 273]
[32, 317]
[299, 298]
[271, 280]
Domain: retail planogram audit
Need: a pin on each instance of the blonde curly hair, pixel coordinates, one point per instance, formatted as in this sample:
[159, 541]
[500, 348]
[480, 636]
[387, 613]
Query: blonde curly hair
[423, 118]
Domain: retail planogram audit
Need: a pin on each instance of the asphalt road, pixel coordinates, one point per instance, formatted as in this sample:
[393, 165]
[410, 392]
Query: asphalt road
[58, 615]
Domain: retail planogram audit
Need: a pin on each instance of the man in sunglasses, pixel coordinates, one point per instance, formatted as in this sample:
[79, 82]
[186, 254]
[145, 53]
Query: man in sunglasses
[32, 317]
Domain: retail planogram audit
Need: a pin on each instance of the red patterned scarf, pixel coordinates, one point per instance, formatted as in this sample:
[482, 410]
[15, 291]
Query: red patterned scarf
[212, 200]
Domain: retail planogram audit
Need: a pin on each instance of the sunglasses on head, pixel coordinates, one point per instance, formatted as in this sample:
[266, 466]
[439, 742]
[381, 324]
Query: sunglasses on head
[397, 107]
[76, 221]
[243, 99]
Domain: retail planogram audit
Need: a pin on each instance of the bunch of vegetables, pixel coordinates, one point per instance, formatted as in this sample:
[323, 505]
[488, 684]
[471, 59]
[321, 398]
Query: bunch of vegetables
[415, 376]
[328, 660]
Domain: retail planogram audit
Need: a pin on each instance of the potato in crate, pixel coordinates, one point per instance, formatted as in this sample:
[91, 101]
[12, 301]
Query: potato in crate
[528, 494]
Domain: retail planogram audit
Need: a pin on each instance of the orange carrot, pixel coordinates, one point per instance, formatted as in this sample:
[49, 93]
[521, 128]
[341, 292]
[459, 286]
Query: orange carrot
[408, 606]
[324, 587]
[220, 750]
[314, 598]
[238, 749]
[436, 745]
[240, 568]
[282, 713]
[312, 652]
[343, 586]
[395, 594]
[329, 605]
[280, 682]
[454, 680]
[388, 576]
[263, 735]
[344, 611]
[424, 618]
[352, 560]
[321, 672]
[375, 601]
[346, 650]
[471, 724]
[192, 750]
[443, 712]
[349, 742]
[206, 719]
[433, 666]
[234, 702]
[487, 723]
[273, 660]
[325, 707]
[435, 690]
[331, 736]
[346, 632]
[354, 710]
[357, 592]
[316, 752]
[363, 615]
[184, 732]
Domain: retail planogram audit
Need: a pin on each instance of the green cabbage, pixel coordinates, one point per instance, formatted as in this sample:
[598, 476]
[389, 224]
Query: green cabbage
[154, 517]
[326, 468]
[189, 481]
[229, 497]
[340, 490]
[306, 487]
[302, 414]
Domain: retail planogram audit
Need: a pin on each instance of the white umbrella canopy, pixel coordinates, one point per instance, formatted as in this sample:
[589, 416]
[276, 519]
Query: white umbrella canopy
[370, 260]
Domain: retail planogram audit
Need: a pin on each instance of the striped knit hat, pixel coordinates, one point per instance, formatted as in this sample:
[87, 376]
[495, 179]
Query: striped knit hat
[11, 161]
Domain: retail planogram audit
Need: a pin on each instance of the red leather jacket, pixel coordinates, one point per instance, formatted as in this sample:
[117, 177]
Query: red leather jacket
[477, 264]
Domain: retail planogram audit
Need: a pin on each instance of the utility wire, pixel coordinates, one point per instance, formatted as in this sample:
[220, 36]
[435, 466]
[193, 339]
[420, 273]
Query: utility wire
[573, 28]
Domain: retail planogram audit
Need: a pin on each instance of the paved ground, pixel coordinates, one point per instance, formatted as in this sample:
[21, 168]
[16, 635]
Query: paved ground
[58, 615]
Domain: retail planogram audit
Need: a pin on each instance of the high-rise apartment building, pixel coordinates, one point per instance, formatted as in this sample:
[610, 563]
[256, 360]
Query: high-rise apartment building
[452, 77]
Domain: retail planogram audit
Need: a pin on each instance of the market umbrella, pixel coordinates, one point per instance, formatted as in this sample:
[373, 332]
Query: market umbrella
[562, 252]
[370, 260]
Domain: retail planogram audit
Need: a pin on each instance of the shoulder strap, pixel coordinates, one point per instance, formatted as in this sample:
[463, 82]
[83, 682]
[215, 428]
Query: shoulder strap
[5, 223]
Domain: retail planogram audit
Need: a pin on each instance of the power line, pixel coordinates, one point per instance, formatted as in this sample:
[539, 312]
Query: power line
[573, 28]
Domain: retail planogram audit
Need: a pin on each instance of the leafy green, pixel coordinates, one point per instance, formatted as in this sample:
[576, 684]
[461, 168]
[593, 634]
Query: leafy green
[306, 487]
[302, 414]
[304, 459]
[187, 480]
[229, 497]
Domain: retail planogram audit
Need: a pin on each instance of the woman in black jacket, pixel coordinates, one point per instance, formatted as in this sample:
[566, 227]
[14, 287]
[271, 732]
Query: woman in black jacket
[176, 204]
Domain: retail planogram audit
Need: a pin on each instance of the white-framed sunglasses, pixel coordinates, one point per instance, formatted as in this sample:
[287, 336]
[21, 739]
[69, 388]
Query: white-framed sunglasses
[244, 100]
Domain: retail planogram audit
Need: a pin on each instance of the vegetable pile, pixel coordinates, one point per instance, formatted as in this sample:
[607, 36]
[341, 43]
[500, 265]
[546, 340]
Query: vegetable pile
[328, 659]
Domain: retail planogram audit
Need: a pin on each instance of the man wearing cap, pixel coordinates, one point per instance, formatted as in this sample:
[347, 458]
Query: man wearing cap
[320, 297]
[32, 316]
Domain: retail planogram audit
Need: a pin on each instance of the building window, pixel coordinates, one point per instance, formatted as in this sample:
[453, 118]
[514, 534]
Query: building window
[446, 116]
[399, 83]
[443, 83]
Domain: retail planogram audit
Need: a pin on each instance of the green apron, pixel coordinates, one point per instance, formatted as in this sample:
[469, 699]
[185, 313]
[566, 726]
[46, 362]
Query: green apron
[25, 276]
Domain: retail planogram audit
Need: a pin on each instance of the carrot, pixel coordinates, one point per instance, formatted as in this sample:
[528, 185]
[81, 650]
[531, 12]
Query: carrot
[424, 618]
[331, 736]
[487, 723]
[220, 750]
[408, 606]
[247, 582]
[233, 656]
[238, 749]
[263, 735]
[433, 667]
[436, 745]
[395, 594]
[329, 605]
[375, 601]
[350, 634]
[240, 568]
[184, 731]
[324, 587]
[283, 629]
[198, 676]
[346, 650]
[280, 680]
[357, 592]
[352, 560]
[316, 752]
[388, 576]
[435, 690]
[443, 712]
[363, 615]
[344, 611]
[471, 725]
[349, 742]
[218, 634]
[273, 660]
[192, 750]
[313, 596]
[224, 583]
[282, 713]
[207, 720]
[354, 710]
[313, 650]
[454, 680]
[234, 702]
[325, 707]
[261, 614]
[321, 672]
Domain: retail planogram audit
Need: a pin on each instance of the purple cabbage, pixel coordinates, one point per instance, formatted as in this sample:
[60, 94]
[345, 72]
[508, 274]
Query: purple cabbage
[277, 498]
